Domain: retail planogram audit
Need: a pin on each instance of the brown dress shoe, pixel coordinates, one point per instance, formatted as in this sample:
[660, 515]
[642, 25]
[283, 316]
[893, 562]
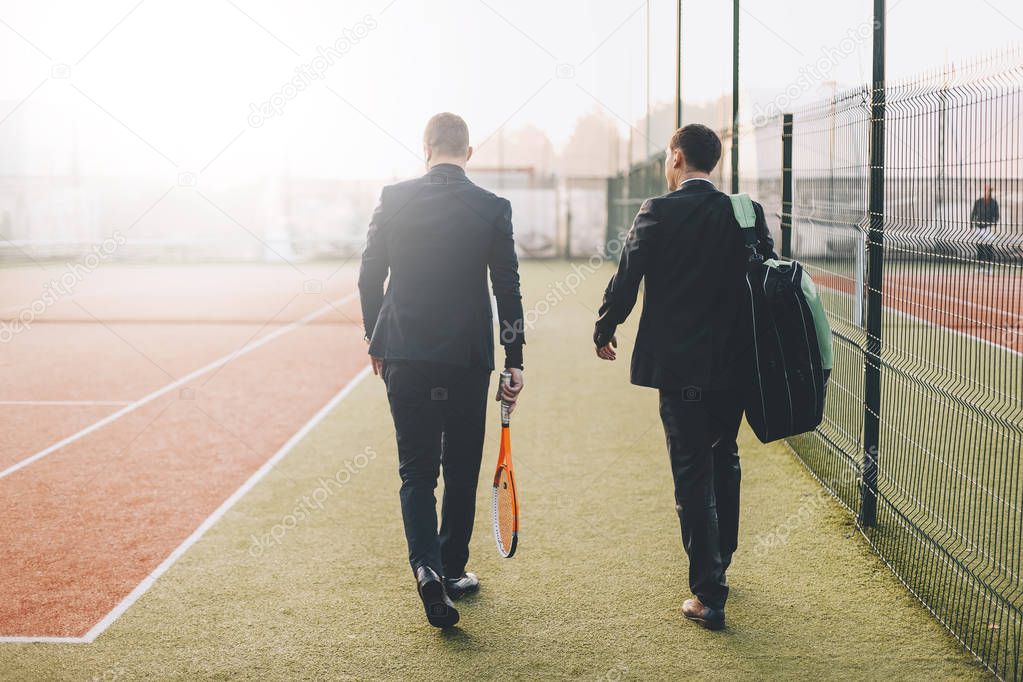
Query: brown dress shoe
[695, 610]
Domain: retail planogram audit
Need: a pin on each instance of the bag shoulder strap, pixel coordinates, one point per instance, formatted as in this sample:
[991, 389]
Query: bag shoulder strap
[746, 217]
[742, 206]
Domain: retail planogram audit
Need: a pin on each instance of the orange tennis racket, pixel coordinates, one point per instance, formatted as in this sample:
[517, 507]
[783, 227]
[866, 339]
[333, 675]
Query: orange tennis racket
[506, 502]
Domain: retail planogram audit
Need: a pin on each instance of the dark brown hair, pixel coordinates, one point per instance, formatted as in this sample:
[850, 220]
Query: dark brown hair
[700, 146]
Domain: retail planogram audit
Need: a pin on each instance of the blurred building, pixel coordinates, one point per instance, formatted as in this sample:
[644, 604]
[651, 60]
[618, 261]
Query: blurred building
[44, 208]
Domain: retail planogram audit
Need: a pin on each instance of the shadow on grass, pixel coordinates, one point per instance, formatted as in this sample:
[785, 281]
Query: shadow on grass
[457, 638]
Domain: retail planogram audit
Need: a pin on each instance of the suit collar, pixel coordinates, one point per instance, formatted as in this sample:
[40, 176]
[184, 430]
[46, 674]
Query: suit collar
[698, 183]
[448, 169]
[694, 185]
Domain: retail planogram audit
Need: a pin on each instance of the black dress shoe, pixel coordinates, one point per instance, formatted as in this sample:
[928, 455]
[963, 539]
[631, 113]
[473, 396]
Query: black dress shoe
[459, 587]
[439, 610]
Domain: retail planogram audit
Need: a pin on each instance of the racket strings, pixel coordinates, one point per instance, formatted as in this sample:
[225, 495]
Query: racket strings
[504, 512]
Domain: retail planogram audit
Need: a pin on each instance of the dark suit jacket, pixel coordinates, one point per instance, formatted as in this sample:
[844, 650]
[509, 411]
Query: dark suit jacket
[688, 248]
[437, 236]
[984, 213]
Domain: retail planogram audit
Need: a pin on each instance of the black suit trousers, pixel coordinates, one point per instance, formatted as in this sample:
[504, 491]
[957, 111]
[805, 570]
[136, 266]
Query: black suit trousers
[701, 428]
[439, 416]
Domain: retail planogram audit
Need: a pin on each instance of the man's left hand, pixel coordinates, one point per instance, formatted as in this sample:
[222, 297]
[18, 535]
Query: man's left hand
[378, 363]
[510, 393]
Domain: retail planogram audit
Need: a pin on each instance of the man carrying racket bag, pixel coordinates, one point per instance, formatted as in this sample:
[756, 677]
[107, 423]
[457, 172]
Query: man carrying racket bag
[431, 339]
[686, 248]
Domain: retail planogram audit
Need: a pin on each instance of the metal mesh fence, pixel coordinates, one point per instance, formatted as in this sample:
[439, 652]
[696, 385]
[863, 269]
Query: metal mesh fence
[948, 283]
[626, 193]
[829, 179]
[950, 494]
[949, 485]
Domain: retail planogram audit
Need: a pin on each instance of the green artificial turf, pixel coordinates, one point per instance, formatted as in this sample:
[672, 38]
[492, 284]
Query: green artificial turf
[593, 592]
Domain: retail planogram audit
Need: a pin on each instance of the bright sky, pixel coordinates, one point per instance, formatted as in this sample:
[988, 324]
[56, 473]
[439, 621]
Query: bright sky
[168, 86]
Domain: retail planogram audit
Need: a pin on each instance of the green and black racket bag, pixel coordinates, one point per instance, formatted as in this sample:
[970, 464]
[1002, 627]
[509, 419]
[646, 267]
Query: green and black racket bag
[791, 341]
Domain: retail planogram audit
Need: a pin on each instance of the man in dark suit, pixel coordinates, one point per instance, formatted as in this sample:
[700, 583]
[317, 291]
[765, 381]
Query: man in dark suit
[431, 340]
[687, 247]
[983, 218]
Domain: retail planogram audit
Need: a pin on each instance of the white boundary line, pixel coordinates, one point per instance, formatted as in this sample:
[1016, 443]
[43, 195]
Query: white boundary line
[937, 325]
[45, 640]
[63, 403]
[131, 407]
[959, 332]
[140, 589]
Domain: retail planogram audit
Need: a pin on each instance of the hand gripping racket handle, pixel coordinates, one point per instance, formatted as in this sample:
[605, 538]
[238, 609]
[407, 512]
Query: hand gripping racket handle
[506, 378]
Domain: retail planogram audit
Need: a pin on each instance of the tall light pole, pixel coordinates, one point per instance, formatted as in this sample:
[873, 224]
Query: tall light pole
[735, 96]
[646, 145]
[678, 64]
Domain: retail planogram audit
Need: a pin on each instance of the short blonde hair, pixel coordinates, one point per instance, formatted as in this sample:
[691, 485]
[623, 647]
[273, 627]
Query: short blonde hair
[447, 134]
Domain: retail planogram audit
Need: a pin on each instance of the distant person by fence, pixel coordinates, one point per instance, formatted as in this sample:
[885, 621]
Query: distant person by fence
[983, 219]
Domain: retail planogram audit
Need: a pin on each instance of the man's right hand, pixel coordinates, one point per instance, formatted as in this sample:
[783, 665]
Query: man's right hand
[607, 351]
[378, 366]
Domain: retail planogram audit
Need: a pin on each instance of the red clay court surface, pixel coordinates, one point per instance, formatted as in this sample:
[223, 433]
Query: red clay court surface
[988, 307]
[136, 410]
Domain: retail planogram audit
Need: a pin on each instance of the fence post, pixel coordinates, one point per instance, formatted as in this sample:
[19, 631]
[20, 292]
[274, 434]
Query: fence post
[568, 220]
[875, 278]
[786, 186]
[613, 190]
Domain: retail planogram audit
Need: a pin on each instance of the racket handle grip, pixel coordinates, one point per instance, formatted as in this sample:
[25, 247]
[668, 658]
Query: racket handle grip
[506, 378]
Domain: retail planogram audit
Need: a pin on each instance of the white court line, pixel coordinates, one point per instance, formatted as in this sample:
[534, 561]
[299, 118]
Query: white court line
[144, 586]
[959, 332]
[76, 403]
[46, 640]
[131, 407]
